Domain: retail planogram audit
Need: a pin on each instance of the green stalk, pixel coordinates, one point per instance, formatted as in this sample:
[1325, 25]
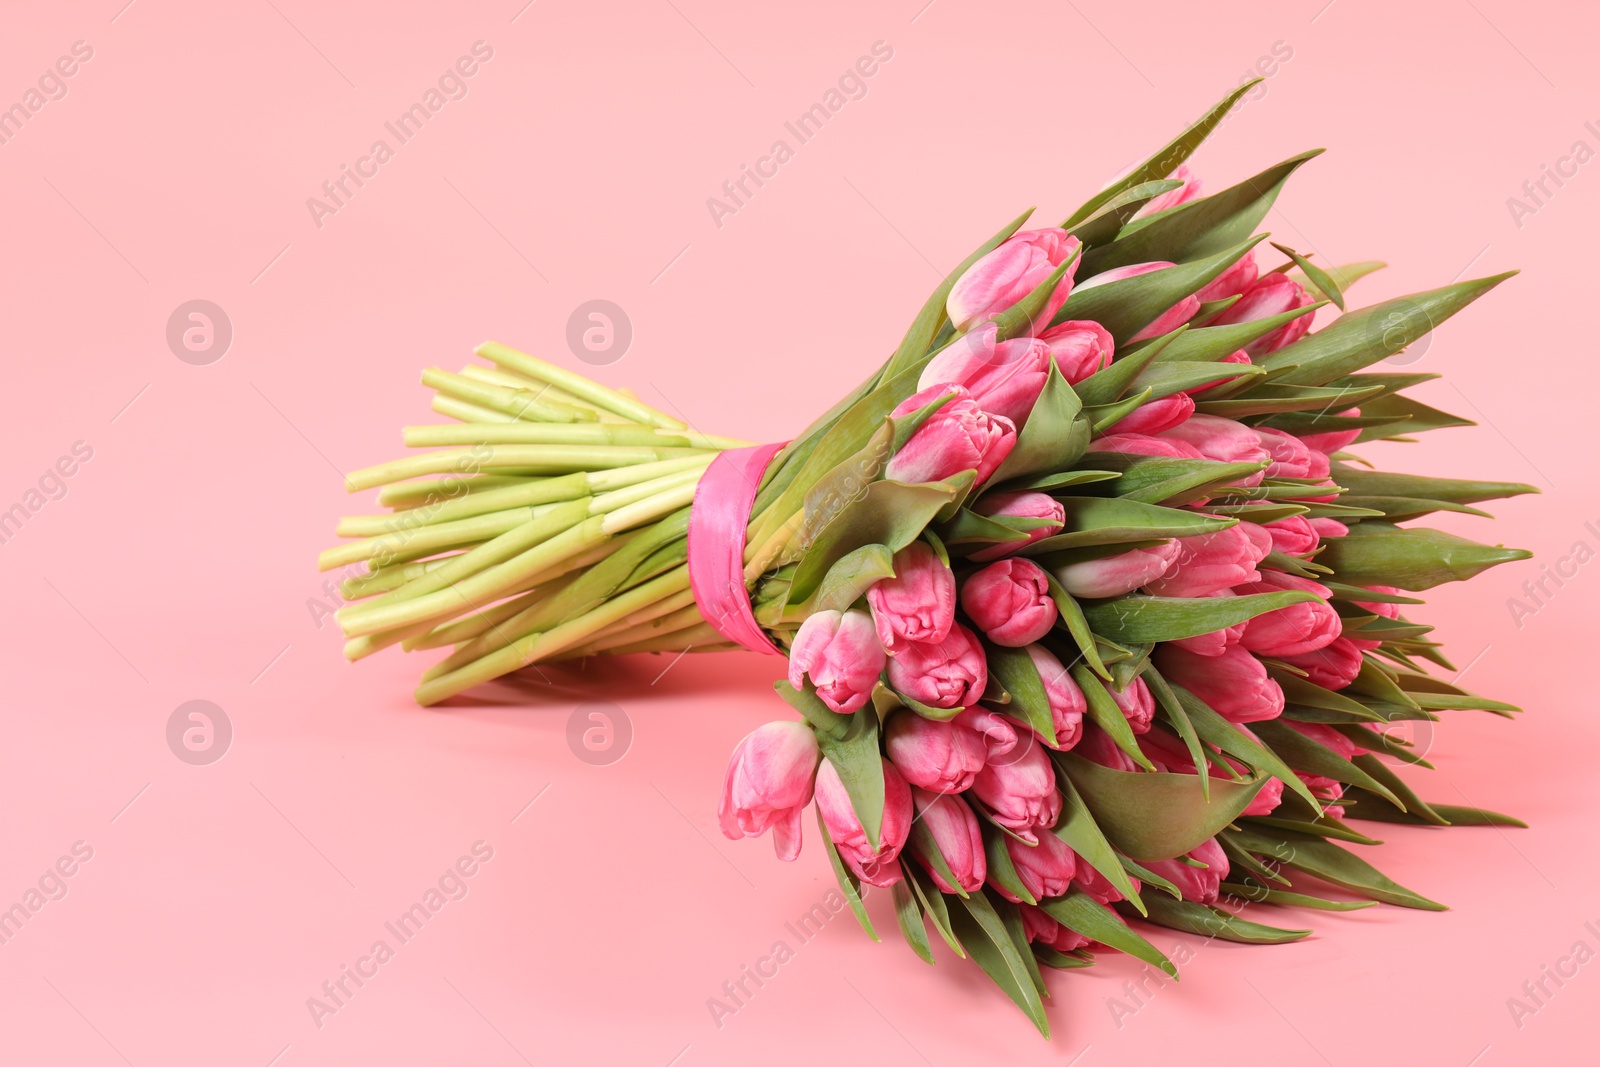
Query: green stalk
[518, 403]
[576, 384]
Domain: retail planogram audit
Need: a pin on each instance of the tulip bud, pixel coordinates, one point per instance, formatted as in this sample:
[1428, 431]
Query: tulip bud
[1098, 885]
[1199, 884]
[1005, 378]
[1294, 536]
[1040, 927]
[1223, 440]
[1156, 416]
[959, 436]
[1139, 444]
[1168, 320]
[1241, 275]
[840, 653]
[1333, 666]
[944, 757]
[1010, 602]
[1067, 702]
[1137, 704]
[1209, 562]
[1097, 746]
[941, 674]
[1292, 630]
[1234, 684]
[1327, 528]
[1081, 348]
[959, 838]
[1290, 457]
[1021, 795]
[1334, 440]
[768, 783]
[1009, 273]
[875, 867]
[1045, 869]
[1115, 575]
[1268, 295]
[918, 603]
[1267, 800]
[1028, 504]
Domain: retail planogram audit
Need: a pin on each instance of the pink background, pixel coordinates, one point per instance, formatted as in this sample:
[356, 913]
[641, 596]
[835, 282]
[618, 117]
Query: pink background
[180, 563]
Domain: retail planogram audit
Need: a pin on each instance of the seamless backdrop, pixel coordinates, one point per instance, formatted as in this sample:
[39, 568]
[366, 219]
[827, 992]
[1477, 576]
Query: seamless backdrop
[176, 477]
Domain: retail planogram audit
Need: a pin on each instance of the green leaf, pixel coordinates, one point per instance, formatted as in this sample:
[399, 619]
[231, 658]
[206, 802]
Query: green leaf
[1077, 828]
[1055, 436]
[1376, 553]
[1215, 730]
[1077, 626]
[1108, 383]
[1207, 344]
[1001, 871]
[1103, 712]
[850, 743]
[1054, 480]
[1203, 226]
[1360, 338]
[928, 320]
[927, 848]
[1315, 274]
[1396, 791]
[1260, 894]
[1152, 816]
[1303, 754]
[1325, 860]
[1344, 276]
[933, 905]
[909, 915]
[1127, 306]
[1104, 225]
[1015, 670]
[1173, 376]
[1405, 416]
[1157, 618]
[1203, 919]
[887, 512]
[1421, 487]
[1173, 714]
[1110, 521]
[849, 885]
[983, 933]
[1084, 914]
[1167, 159]
[852, 575]
[1374, 809]
[1276, 399]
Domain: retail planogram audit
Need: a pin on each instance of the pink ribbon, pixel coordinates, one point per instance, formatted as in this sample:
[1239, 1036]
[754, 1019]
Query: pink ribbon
[718, 519]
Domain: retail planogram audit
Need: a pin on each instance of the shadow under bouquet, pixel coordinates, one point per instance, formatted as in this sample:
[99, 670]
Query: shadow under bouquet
[1092, 615]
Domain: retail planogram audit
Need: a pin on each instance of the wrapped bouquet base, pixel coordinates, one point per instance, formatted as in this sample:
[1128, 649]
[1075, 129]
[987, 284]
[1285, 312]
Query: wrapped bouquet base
[1094, 613]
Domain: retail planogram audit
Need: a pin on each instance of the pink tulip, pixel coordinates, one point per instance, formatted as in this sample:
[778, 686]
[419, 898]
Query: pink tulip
[1067, 702]
[1137, 704]
[840, 653]
[1098, 885]
[1334, 440]
[768, 783]
[874, 867]
[1045, 870]
[1267, 800]
[959, 436]
[1011, 272]
[942, 674]
[1157, 416]
[944, 757]
[1240, 276]
[1290, 457]
[1139, 444]
[1240, 356]
[1216, 642]
[1189, 190]
[1040, 927]
[1010, 602]
[1029, 505]
[1268, 295]
[1081, 348]
[957, 835]
[1209, 562]
[1294, 536]
[1168, 320]
[1327, 528]
[1199, 884]
[1333, 666]
[1021, 794]
[1223, 440]
[1004, 378]
[1097, 746]
[1234, 684]
[1387, 609]
[1115, 575]
[918, 604]
[1293, 630]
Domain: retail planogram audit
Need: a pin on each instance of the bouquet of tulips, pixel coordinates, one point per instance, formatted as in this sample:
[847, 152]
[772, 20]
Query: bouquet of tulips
[1091, 613]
